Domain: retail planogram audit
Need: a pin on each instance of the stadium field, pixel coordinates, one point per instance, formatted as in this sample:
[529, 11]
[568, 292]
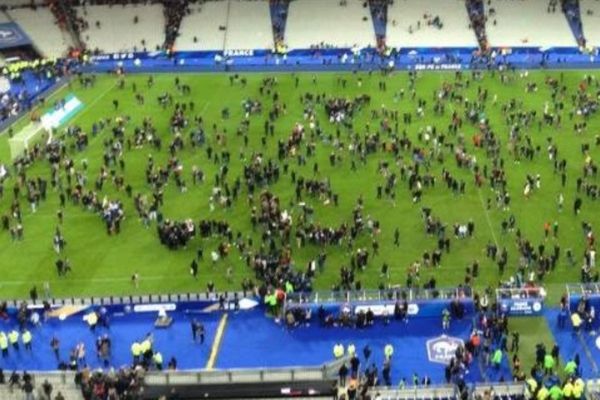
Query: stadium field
[103, 264]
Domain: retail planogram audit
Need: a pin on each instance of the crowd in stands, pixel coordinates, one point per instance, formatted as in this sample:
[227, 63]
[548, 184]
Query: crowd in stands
[122, 384]
[571, 9]
[126, 383]
[174, 11]
[279, 14]
[379, 15]
[477, 16]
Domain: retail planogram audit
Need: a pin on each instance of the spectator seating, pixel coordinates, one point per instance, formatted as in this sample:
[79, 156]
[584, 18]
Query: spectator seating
[68, 390]
[590, 15]
[307, 28]
[19, 3]
[446, 24]
[248, 25]
[204, 27]
[279, 13]
[508, 28]
[112, 29]
[4, 18]
[40, 25]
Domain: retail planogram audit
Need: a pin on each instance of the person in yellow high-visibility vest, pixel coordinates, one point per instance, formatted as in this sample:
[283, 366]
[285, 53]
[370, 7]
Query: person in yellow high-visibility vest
[3, 344]
[578, 388]
[13, 338]
[531, 386]
[338, 350]
[147, 350]
[136, 352]
[543, 393]
[576, 321]
[158, 360]
[92, 320]
[567, 390]
[351, 350]
[388, 350]
[26, 338]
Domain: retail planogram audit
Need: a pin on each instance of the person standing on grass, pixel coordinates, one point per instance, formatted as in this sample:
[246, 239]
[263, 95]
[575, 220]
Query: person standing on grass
[194, 269]
[229, 274]
[577, 206]
[135, 280]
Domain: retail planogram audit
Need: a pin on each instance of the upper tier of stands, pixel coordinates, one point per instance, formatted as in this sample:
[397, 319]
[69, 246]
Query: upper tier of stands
[204, 27]
[249, 25]
[336, 24]
[4, 18]
[228, 24]
[527, 23]
[590, 15]
[40, 25]
[114, 28]
[429, 23]
[18, 3]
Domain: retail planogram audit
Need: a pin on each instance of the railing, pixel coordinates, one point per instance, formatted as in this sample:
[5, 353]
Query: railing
[194, 377]
[390, 294]
[502, 390]
[417, 392]
[583, 289]
[521, 293]
[134, 299]
[592, 389]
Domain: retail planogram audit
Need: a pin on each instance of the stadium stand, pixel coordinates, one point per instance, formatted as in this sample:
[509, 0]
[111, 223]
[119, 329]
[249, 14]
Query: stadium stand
[204, 27]
[248, 25]
[16, 392]
[279, 13]
[307, 29]
[4, 18]
[40, 25]
[19, 3]
[174, 14]
[113, 29]
[379, 16]
[507, 28]
[476, 10]
[590, 16]
[572, 12]
[429, 23]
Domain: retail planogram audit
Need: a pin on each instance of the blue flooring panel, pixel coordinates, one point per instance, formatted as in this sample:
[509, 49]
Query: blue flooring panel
[250, 339]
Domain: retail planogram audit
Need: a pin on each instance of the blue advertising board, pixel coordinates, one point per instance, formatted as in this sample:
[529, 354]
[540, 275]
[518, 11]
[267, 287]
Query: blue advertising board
[416, 308]
[11, 35]
[521, 306]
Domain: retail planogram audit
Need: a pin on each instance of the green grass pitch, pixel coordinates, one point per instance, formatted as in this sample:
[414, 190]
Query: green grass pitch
[103, 264]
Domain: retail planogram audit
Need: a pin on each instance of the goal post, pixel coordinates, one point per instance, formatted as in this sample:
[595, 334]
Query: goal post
[35, 132]
[26, 137]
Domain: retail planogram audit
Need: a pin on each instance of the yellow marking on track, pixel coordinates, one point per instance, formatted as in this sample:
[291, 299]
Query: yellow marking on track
[214, 350]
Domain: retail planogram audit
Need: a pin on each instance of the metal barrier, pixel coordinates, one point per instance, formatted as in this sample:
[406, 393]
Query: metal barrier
[504, 390]
[417, 392]
[592, 389]
[133, 299]
[394, 293]
[193, 377]
[583, 289]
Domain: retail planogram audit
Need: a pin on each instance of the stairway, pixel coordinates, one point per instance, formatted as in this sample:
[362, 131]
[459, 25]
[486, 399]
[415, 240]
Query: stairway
[379, 11]
[279, 13]
[476, 11]
[572, 12]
